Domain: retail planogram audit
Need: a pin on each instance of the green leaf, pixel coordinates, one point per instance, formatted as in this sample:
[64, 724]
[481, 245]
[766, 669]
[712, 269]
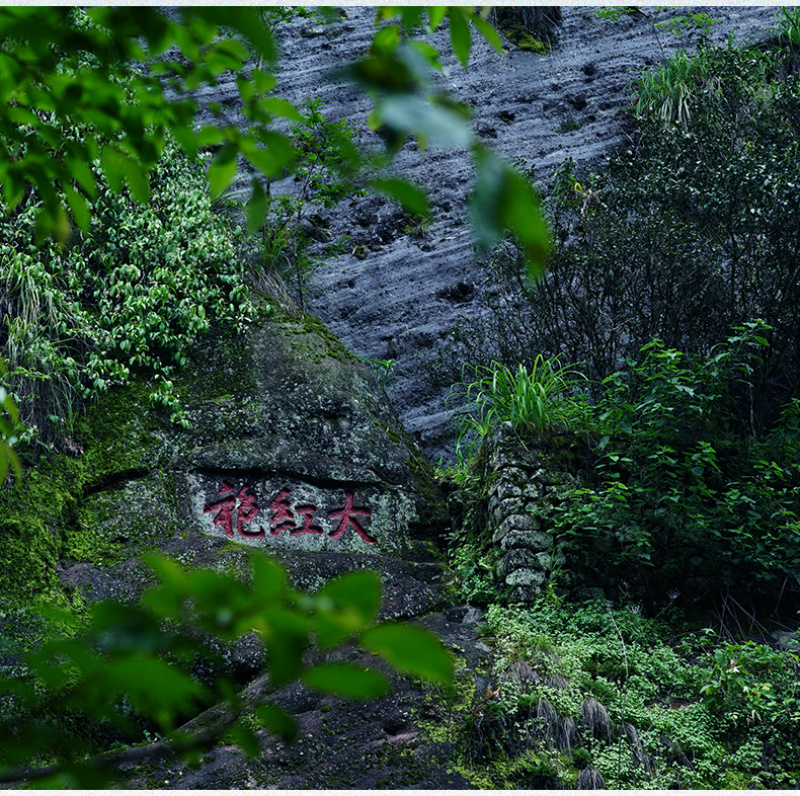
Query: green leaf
[156, 688]
[386, 40]
[187, 139]
[410, 650]
[281, 107]
[411, 16]
[504, 201]
[346, 680]
[263, 81]
[224, 55]
[246, 740]
[271, 160]
[286, 642]
[357, 591]
[277, 721]
[347, 604]
[435, 16]
[269, 578]
[411, 115]
[168, 571]
[138, 180]
[113, 167]
[209, 135]
[460, 34]
[413, 199]
[220, 173]
[257, 207]
[429, 53]
[489, 32]
[245, 21]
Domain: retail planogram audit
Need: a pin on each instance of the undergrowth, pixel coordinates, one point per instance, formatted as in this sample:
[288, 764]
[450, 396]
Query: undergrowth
[586, 693]
[126, 299]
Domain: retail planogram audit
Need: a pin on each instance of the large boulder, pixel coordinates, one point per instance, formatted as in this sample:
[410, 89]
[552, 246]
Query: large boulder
[292, 446]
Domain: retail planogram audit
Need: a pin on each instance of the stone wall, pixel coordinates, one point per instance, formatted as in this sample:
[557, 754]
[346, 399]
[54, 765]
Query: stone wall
[526, 481]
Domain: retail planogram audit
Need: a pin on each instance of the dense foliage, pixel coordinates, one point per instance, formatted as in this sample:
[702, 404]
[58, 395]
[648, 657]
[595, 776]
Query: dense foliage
[126, 298]
[593, 696]
[691, 428]
[680, 500]
[674, 287]
[127, 671]
[690, 231]
[63, 66]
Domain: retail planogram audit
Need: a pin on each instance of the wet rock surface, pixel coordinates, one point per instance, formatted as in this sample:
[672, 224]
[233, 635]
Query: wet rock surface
[383, 744]
[293, 448]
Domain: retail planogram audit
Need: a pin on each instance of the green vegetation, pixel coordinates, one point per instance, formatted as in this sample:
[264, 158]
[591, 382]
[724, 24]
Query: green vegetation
[126, 299]
[113, 264]
[530, 28]
[643, 703]
[134, 669]
[324, 152]
[63, 66]
[8, 431]
[681, 500]
[673, 288]
[527, 399]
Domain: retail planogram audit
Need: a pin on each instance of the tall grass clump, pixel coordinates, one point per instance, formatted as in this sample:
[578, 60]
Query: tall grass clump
[531, 399]
[679, 89]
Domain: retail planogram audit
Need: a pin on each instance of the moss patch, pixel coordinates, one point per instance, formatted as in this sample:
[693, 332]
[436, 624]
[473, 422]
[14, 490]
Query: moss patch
[58, 510]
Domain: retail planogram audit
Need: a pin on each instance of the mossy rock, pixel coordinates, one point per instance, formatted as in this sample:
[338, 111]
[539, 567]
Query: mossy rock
[303, 434]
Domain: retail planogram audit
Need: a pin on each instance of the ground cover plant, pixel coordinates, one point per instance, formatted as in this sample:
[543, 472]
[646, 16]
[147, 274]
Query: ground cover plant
[607, 696]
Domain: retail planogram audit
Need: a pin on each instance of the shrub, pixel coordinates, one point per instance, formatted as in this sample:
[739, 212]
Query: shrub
[324, 152]
[529, 28]
[127, 298]
[641, 709]
[689, 232]
[683, 500]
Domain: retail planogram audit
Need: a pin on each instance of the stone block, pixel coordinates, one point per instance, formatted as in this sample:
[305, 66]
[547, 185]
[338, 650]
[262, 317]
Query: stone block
[516, 522]
[525, 577]
[531, 540]
[515, 559]
[505, 508]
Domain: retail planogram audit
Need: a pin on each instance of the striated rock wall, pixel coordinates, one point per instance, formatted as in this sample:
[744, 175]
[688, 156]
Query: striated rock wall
[398, 289]
[396, 293]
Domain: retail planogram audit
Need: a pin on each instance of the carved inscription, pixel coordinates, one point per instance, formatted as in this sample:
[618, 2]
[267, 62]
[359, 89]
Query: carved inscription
[294, 519]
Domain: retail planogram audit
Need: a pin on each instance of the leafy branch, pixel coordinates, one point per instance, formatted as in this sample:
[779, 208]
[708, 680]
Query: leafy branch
[60, 64]
[134, 665]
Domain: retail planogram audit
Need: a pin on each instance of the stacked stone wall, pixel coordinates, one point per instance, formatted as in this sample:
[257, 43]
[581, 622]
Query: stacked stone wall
[527, 480]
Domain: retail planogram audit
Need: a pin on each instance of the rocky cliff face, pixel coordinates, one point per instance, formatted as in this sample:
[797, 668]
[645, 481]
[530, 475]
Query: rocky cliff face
[396, 293]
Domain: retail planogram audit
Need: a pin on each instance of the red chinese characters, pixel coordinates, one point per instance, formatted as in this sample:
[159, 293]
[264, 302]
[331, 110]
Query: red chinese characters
[348, 513]
[296, 519]
[246, 511]
[284, 518]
